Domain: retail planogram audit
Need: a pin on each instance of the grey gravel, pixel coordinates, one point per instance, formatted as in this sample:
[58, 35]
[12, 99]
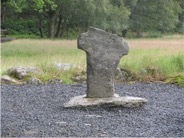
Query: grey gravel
[37, 111]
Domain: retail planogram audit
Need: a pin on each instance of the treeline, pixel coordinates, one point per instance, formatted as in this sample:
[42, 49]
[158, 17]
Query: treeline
[66, 18]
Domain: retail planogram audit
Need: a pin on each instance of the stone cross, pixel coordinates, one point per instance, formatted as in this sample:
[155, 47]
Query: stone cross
[104, 51]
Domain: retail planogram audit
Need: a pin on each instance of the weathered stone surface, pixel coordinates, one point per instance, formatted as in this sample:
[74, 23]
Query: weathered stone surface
[55, 81]
[66, 66]
[63, 66]
[22, 72]
[8, 80]
[79, 79]
[129, 74]
[82, 101]
[34, 81]
[104, 51]
[118, 74]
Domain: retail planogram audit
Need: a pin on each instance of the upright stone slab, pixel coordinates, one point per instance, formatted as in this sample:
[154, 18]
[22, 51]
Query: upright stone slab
[104, 51]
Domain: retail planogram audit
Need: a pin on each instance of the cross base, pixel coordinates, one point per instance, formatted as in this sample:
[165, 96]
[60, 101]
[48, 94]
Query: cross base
[116, 101]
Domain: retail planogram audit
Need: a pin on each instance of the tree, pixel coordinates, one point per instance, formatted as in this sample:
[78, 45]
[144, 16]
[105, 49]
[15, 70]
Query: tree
[55, 18]
[64, 14]
[118, 16]
[21, 16]
[155, 15]
[180, 25]
[47, 10]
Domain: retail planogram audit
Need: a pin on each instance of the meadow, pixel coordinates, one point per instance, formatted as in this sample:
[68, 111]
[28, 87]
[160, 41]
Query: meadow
[165, 55]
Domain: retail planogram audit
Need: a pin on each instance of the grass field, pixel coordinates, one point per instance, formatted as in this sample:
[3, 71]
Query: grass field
[166, 55]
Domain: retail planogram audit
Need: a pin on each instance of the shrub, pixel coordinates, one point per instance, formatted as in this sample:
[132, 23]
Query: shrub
[153, 35]
[27, 27]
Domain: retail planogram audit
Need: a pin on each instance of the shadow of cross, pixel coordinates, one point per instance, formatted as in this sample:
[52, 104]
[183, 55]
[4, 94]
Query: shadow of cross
[104, 51]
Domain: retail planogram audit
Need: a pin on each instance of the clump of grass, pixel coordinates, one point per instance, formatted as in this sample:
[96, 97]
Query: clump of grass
[171, 65]
[158, 68]
[178, 80]
[50, 72]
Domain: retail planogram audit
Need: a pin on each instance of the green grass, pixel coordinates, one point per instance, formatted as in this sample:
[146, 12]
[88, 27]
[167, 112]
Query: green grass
[178, 80]
[167, 64]
[42, 54]
[24, 36]
[166, 55]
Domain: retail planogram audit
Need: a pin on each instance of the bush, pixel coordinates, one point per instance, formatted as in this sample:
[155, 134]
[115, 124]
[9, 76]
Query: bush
[21, 26]
[130, 35]
[153, 35]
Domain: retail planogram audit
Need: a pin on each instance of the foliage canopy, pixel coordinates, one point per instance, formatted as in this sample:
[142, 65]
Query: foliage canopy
[58, 18]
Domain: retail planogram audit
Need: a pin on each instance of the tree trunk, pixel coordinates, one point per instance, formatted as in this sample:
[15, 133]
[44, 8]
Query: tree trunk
[124, 32]
[40, 26]
[67, 32]
[53, 16]
[51, 28]
[138, 34]
[59, 27]
[3, 13]
[41, 32]
[62, 29]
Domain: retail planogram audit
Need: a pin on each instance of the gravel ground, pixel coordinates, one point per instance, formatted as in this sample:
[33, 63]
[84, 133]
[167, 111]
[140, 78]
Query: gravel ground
[37, 111]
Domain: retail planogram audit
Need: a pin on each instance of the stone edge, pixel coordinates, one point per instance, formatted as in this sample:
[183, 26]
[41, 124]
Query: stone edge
[127, 101]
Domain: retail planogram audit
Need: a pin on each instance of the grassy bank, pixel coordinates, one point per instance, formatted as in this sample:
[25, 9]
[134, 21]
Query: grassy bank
[165, 55]
[43, 54]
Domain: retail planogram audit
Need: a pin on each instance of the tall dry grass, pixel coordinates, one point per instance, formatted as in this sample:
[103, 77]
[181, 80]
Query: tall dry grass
[164, 44]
